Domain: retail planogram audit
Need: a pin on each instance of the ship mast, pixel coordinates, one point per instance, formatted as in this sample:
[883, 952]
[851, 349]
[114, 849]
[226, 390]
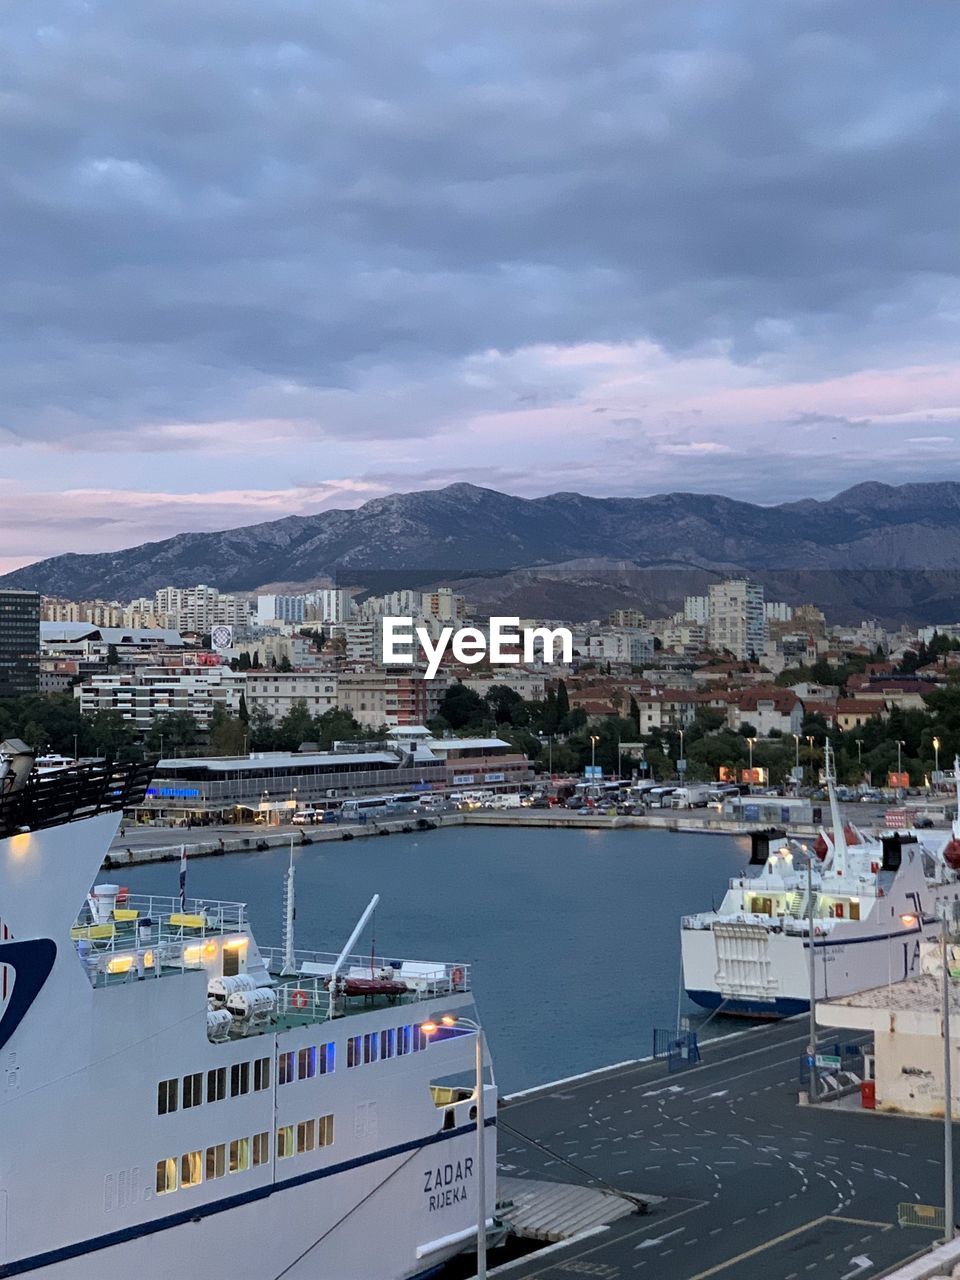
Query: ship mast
[839, 835]
[289, 918]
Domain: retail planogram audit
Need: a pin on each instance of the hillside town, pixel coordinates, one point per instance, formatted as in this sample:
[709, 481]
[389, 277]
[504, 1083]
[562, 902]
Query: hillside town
[732, 688]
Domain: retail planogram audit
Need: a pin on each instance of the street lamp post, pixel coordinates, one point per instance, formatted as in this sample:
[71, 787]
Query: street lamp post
[751, 743]
[448, 1020]
[796, 773]
[593, 754]
[936, 760]
[947, 1095]
[812, 1046]
[680, 757]
[859, 742]
[810, 748]
[900, 746]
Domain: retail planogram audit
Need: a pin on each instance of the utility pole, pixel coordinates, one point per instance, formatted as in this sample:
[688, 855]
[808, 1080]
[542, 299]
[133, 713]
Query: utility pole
[812, 1046]
[948, 1207]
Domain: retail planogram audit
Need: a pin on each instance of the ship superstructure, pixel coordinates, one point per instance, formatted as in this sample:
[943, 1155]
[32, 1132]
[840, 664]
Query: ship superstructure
[176, 1098]
[863, 902]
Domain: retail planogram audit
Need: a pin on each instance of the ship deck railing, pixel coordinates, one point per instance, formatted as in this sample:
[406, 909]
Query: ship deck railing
[304, 996]
[146, 929]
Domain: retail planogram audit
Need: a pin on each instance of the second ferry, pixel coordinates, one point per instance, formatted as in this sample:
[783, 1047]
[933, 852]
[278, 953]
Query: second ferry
[865, 907]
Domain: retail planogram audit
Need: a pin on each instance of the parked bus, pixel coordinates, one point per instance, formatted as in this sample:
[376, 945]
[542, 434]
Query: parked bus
[368, 804]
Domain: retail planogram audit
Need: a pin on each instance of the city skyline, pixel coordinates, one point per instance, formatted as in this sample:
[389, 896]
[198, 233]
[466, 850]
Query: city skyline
[263, 265]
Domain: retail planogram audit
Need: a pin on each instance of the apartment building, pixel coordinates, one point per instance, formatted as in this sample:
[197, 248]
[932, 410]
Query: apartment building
[197, 610]
[632, 618]
[627, 645]
[391, 698]
[771, 710]
[278, 692]
[530, 685]
[273, 650]
[145, 694]
[276, 608]
[735, 618]
[329, 604]
[101, 613]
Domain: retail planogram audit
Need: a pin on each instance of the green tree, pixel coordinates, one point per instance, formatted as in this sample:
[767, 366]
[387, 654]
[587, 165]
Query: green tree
[506, 705]
[227, 733]
[462, 708]
[563, 706]
[173, 734]
[297, 726]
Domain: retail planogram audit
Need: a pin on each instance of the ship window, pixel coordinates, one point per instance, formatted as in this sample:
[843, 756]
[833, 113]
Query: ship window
[261, 1074]
[166, 1176]
[403, 1040]
[325, 1131]
[353, 1052]
[306, 1136]
[370, 1047]
[193, 1090]
[285, 1071]
[307, 1063]
[261, 1148]
[215, 1162]
[854, 910]
[285, 1141]
[239, 1079]
[328, 1058]
[167, 1096]
[217, 1084]
[231, 961]
[191, 1169]
[387, 1041]
[239, 1155]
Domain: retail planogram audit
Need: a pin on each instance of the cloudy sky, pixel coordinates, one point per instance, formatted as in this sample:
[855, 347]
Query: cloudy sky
[261, 259]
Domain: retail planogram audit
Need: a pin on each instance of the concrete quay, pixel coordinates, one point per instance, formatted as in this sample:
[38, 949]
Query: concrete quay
[140, 844]
[668, 820]
[755, 1186]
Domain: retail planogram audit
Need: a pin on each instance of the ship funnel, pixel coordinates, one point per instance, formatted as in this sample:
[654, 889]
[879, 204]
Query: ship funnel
[16, 763]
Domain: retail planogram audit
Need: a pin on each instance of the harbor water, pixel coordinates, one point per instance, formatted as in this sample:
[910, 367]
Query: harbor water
[574, 935]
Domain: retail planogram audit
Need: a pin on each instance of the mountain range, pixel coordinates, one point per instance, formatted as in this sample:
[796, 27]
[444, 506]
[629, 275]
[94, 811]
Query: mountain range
[872, 550]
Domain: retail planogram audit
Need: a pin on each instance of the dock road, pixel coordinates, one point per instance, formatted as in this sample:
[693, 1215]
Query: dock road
[755, 1186]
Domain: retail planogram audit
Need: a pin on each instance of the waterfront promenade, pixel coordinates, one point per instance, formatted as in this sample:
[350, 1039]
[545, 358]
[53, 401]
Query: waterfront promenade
[138, 843]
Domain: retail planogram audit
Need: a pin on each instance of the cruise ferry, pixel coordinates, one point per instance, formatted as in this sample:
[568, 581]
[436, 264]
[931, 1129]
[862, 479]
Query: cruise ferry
[178, 1100]
[873, 901]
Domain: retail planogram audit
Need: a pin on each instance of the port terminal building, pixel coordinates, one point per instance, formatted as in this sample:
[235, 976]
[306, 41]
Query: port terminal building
[906, 1019]
[267, 785]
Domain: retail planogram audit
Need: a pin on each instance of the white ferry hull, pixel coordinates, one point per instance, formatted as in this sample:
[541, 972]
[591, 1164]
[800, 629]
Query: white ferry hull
[391, 1194]
[774, 982]
[354, 1224]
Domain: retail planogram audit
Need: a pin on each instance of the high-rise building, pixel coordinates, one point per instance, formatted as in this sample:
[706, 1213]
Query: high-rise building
[199, 609]
[329, 604]
[281, 608]
[19, 642]
[696, 609]
[736, 620]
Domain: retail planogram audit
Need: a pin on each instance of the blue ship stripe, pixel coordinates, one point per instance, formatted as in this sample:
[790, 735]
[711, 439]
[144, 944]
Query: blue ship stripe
[68, 1251]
